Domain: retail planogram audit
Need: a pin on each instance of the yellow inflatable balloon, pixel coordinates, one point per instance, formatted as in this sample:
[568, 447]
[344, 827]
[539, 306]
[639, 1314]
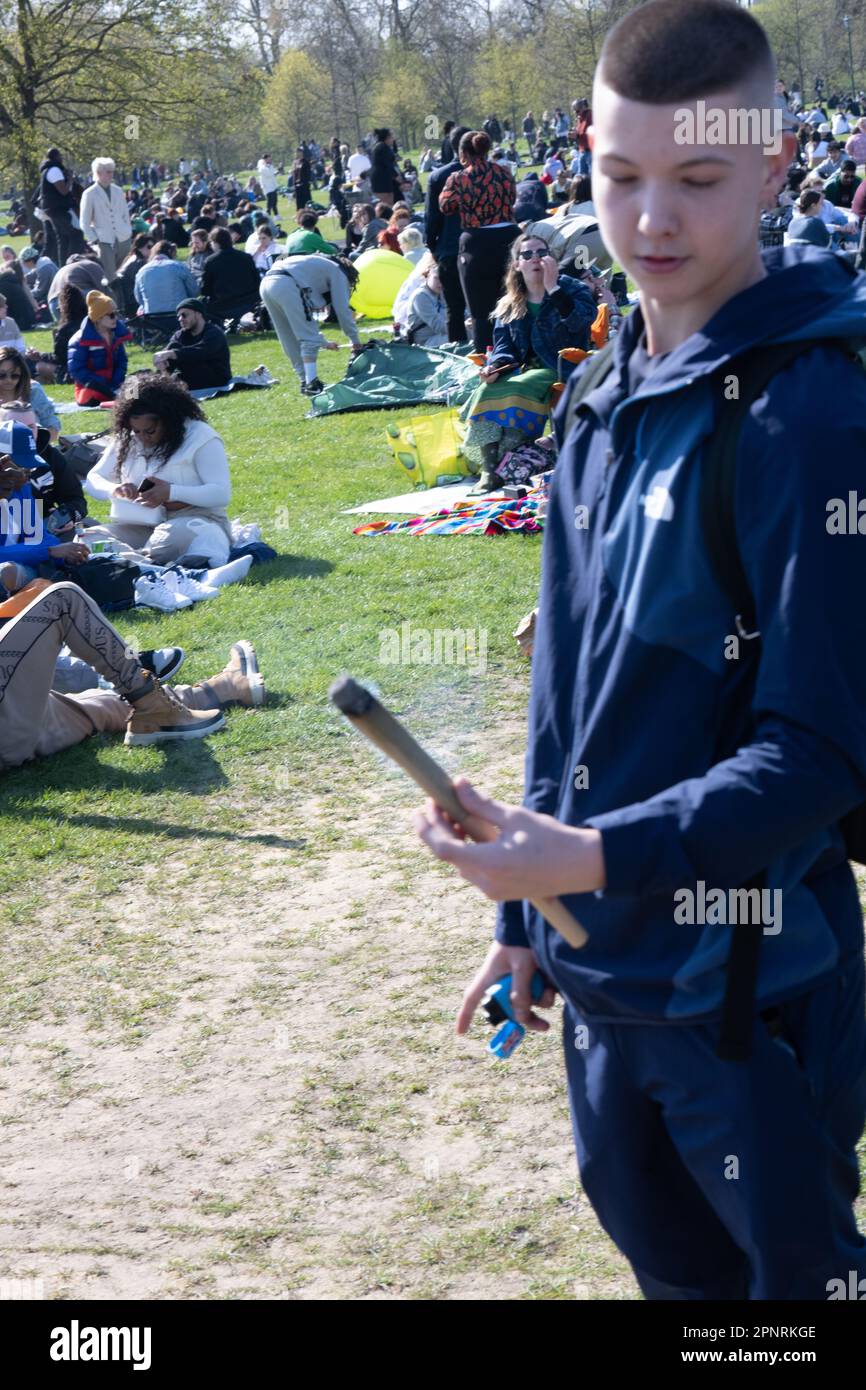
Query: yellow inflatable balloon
[380, 275]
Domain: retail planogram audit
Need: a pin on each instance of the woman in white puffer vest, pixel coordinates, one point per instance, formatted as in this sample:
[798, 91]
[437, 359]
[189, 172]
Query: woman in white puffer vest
[166, 474]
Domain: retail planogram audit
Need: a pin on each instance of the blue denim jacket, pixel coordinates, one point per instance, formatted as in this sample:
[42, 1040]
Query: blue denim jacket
[160, 285]
[564, 321]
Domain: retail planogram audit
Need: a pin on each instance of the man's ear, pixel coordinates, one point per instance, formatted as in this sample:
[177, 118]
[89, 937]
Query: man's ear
[776, 168]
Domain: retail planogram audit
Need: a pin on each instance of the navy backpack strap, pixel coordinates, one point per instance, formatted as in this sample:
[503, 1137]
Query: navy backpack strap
[745, 378]
[739, 383]
[597, 368]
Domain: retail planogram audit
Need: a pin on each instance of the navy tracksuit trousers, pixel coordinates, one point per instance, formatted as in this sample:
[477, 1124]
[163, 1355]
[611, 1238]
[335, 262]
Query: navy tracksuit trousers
[727, 1180]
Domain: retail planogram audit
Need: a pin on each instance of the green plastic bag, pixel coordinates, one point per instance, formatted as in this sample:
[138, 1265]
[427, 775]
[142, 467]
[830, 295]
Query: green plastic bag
[428, 449]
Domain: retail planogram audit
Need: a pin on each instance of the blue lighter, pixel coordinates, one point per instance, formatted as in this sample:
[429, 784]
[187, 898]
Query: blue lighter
[499, 1009]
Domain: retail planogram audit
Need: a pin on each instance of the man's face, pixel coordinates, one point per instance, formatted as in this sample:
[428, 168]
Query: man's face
[105, 176]
[680, 218]
[191, 320]
[20, 413]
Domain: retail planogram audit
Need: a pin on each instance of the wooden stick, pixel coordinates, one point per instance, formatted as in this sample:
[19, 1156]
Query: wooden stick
[362, 709]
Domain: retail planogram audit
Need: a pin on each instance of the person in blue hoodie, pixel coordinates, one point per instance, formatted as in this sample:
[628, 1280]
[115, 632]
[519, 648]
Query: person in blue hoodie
[25, 541]
[667, 766]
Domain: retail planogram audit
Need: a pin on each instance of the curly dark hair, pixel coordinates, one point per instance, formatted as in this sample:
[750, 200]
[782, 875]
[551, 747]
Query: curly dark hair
[152, 393]
[73, 307]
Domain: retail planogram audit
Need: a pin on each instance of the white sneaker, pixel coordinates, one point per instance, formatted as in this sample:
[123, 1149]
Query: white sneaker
[185, 585]
[152, 592]
[232, 573]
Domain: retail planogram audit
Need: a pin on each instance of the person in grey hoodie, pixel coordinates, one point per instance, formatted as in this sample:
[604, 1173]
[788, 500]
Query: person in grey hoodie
[427, 312]
[297, 291]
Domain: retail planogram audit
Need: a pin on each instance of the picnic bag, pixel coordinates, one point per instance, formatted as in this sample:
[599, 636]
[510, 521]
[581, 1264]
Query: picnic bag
[428, 449]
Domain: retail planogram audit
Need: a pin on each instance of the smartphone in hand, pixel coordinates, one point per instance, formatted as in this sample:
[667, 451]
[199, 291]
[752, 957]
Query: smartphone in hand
[145, 485]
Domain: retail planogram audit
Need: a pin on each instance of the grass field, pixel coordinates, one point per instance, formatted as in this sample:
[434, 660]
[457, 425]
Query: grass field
[228, 969]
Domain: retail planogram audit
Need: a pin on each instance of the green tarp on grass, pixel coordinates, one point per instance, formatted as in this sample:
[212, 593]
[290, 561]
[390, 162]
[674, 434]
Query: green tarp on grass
[389, 374]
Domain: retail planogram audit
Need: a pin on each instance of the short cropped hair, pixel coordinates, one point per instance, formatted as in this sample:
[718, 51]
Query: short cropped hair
[410, 238]
[678, 50]
[98, 165]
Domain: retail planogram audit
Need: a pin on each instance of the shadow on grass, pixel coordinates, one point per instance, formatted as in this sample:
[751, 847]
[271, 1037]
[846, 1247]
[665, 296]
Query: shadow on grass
[289, 567]
[161, 828]
[189, 768]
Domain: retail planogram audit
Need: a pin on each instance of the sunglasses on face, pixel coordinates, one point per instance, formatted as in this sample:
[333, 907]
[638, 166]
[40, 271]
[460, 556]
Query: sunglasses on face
[533, 255]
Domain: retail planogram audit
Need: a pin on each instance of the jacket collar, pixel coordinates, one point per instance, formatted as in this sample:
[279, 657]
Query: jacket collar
[805, 294]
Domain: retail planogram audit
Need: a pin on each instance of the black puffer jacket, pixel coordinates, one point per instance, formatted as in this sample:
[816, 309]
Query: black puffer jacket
[384, 176]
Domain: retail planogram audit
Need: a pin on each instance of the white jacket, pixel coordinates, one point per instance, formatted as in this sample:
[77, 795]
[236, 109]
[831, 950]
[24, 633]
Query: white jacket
[198, 474]
[104, 214]
[267, 176]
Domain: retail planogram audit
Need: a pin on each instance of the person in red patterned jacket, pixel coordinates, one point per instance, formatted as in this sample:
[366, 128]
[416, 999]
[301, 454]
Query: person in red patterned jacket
[483, 194]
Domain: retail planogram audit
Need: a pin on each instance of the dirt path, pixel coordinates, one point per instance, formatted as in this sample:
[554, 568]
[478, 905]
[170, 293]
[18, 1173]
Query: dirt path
[294, 1118]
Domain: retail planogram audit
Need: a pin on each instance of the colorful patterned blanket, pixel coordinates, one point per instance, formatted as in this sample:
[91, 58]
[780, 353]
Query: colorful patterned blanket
[485, 516]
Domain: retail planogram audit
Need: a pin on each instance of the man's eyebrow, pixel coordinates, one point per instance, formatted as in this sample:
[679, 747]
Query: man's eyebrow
[686, 164]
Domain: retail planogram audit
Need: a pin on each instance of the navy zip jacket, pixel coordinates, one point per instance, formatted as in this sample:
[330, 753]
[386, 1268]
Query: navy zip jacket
[697, 768]
[443, 233]
[564, 321]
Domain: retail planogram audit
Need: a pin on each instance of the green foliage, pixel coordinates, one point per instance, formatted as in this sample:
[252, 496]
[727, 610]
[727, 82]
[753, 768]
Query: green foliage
[400, 97]
[509, 79]
[296, 101]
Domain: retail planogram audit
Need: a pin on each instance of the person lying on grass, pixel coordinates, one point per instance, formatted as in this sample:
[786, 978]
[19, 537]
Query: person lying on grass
[37, 722]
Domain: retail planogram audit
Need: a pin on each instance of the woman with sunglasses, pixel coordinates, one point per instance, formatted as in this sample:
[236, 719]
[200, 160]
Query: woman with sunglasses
[540, 313]
[142, 245]
[96, 359]
[16, 384]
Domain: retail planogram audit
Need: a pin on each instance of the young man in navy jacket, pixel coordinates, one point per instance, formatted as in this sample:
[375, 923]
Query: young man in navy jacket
[666, 767]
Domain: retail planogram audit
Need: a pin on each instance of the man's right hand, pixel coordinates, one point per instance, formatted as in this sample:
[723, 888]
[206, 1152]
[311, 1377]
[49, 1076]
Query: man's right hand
[518, 962]
[73, 552]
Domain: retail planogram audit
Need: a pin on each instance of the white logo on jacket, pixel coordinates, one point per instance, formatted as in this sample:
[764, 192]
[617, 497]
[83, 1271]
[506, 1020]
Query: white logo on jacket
[658, 503]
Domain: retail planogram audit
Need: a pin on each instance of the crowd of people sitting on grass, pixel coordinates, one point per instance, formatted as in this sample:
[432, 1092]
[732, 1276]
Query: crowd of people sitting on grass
[507, 265]
[123, 244]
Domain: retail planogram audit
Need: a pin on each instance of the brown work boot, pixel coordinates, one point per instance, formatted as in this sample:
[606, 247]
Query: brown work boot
[158, 714]
[240, 682]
